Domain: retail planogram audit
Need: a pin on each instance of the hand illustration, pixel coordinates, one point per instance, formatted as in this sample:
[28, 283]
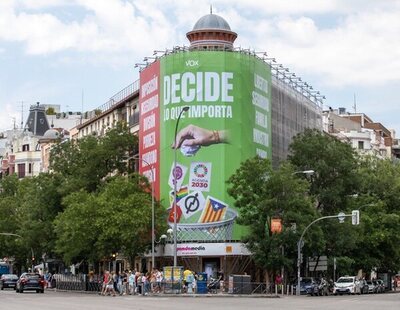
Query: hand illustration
[196, 136]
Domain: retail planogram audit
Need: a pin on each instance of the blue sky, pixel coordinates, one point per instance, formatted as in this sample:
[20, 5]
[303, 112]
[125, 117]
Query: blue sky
[53, 50]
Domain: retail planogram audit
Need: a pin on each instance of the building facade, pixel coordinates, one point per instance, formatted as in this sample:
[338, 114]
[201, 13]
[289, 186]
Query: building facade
[244, 97]
[362, 133]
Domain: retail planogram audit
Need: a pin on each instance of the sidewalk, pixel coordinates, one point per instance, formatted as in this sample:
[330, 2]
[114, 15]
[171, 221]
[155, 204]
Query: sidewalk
[181, 295]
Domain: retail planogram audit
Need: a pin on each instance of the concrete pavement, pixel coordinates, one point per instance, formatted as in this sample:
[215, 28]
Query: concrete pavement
[70, 300]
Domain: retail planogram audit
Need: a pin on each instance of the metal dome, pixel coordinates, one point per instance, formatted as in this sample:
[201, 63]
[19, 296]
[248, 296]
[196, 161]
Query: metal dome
[211, 21]
[51, 134]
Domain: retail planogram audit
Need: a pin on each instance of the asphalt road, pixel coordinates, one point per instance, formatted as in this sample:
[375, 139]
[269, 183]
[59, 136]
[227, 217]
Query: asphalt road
[80, 301]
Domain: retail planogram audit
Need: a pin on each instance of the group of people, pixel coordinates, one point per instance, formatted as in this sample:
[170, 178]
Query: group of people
[131, 283]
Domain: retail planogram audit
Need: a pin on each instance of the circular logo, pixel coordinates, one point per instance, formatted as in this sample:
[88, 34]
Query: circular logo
[200, 170]
[178, 173]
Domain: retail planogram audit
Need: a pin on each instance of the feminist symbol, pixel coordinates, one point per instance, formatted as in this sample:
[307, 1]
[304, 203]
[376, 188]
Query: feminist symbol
[192, 203]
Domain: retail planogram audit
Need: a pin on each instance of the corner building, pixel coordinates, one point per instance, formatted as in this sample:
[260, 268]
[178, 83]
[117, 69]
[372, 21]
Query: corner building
[238, 107]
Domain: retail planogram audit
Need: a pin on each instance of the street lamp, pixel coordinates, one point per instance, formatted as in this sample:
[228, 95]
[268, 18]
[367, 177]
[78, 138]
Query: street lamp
[306, 172]
[300, 244]
[152, 205]
[163, 238]
[19, 236]
[184, 109]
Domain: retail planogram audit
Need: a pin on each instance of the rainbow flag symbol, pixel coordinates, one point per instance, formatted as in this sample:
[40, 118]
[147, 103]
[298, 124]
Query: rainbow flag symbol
[213, 211]
[182, 193]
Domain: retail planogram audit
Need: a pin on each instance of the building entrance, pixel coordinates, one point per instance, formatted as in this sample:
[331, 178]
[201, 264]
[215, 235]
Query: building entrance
[211, 265]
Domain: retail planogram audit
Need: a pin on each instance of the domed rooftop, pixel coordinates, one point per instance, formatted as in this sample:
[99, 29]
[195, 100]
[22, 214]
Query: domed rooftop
[51, 134]
[211, 21]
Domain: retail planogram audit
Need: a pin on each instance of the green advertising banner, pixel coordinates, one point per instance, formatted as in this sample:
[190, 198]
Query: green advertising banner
[228, 121]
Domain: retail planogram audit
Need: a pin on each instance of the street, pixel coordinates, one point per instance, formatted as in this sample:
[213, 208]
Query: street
[68, 300]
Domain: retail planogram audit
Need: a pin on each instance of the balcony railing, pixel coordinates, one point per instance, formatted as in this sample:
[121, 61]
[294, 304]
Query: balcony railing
[120, 96]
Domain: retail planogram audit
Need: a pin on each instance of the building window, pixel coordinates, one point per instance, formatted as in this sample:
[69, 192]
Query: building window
[360, 145]
[29, 168]
[25, 148]
[21, 171]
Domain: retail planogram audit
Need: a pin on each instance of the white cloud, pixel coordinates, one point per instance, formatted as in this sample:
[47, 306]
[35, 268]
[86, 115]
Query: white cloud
[8, 116]
[361, 46]
[111, 26]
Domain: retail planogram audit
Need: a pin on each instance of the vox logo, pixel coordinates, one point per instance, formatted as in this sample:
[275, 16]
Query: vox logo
[192, 63]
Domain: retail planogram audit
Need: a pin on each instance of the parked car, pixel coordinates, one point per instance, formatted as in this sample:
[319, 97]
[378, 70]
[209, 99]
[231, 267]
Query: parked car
[347, 285]
[30, 282]
[8, 281]
[307, 286]
[380, 286]
[371, 286]
[364, 287]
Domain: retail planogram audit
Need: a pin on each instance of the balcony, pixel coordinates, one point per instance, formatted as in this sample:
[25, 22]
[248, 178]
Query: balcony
[134, 119]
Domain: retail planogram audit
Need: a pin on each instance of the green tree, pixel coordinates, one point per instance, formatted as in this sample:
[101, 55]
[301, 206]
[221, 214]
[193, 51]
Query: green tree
[125, 216]
[85, 163]
[27, 208]
[335, 181]
[261, 194]
[336, 168]
[8, 210]
[76, 228]
[39, 201]
[379, 205]
[115, 219]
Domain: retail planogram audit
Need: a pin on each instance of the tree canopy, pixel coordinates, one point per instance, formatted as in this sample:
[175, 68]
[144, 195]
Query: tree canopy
[89, 205]
[262, 194]
[342, 182]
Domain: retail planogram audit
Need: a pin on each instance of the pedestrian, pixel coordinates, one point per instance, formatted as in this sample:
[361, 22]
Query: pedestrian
[106, 279]
[125, 283]
[132, 283]
[110, 288]
[186, 274]
[120, 285]
[153, 283]
[159, 279]
[146, 283]
[194, 283]
[278, 282]
[115, 281]
[139, 284]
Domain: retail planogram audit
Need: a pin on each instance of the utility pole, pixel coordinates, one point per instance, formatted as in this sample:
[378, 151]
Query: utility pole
[341, 216]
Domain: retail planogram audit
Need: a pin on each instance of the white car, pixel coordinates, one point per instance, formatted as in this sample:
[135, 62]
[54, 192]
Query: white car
[347, 285]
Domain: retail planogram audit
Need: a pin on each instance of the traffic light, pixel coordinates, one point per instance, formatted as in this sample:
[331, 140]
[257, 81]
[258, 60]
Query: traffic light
[355, 217]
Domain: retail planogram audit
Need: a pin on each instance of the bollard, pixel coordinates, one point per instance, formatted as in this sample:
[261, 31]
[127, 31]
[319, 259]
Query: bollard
[287, 290]
[276, 289]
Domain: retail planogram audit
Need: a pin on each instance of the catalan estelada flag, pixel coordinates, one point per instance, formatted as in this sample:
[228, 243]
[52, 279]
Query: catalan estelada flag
[213, 211]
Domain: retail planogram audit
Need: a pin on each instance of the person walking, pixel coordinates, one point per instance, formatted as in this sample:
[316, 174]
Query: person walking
[159, 279]
[106, 279]
[110, 288]
[132, 283]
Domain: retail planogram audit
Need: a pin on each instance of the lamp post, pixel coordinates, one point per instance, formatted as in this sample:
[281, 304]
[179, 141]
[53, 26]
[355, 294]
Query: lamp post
[152, 206]
[19, 236]
[184, 109]
[306, 172]
[340, 216]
